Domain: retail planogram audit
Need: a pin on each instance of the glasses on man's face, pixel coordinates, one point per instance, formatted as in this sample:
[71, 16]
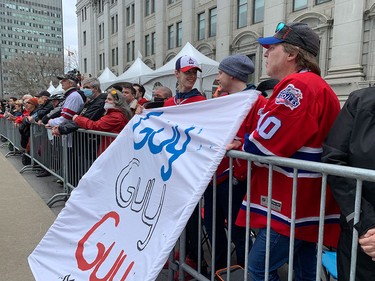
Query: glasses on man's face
[87, 87]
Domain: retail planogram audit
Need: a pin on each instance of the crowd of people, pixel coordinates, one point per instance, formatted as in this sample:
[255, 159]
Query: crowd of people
[293, 122]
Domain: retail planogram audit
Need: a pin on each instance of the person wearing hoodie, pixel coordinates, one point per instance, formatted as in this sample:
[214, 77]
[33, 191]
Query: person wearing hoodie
[232, 77]
[186, 71]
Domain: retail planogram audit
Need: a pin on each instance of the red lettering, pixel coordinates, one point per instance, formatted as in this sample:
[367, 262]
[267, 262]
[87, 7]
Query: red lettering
[102, 254]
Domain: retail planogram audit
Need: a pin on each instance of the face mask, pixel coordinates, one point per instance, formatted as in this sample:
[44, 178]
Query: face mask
[88, 92]
[108, 106]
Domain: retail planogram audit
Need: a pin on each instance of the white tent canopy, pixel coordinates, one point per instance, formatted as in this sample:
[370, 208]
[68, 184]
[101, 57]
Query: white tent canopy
[58, 90]
[51, 88]
[165, 74]
[135, 73]
[106, 77]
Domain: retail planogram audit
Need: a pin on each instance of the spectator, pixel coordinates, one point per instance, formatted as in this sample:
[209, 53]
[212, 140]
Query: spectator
[160, 94]
[74, 99]
[2, 107]
[31, 106]
[294, 123]
[93, 108]
[186, 73]
[128, 92]
[232, 78]
[351, 143]
[45, 105]
[117, 114]
[56, 101]
[18, 110]
[11, 104]
[140, 92]
[25, 112]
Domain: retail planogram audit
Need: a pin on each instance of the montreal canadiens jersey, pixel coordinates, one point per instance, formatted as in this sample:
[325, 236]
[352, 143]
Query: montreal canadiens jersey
[294, 124]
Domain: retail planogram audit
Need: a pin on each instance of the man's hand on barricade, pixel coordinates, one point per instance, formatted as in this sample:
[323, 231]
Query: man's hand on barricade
[236, 144]
[75, 116]
[40, 123]
[55, 131]
[367, 242]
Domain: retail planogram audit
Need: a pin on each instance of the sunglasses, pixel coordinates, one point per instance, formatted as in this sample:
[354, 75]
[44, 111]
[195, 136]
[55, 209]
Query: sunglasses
[283, 30]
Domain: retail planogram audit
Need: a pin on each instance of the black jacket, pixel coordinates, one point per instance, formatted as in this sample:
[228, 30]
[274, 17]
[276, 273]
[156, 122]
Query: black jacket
[43, 110]
[351, 143]
[93, 110]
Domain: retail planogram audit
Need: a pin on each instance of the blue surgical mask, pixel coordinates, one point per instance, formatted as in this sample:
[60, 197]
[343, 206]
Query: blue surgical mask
[88, 93]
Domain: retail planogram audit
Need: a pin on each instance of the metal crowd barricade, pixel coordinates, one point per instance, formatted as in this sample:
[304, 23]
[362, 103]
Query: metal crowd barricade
[67, 157]
[70, 156]
[358, 174]
[9, 131]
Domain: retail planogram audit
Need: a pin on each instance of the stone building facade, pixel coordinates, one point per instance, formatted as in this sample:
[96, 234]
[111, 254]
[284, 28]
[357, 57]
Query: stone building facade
[113, 33]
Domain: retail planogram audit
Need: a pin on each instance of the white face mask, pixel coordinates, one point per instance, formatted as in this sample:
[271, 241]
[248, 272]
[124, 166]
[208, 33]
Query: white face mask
[108, 106]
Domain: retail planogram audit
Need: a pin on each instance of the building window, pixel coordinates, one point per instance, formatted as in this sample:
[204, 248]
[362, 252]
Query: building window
[112, 25]
[115, 56]
[179, 34]
[128, 52]
[101, 6]
[130, 15]
[201, 26]
[147, 45]
[170, 37]
[242, 14]
[153, 43]
[133, 50]
[258, 11]
[101, 59]
[321, 1]
[213, 22]
[84, 14]
[299, 5]
[127, 16]
[84, 65]
[101, 31]
[171, 1]
[149, 7]
[84, 38]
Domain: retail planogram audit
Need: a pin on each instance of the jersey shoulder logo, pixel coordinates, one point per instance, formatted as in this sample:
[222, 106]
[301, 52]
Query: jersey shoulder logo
[290, 97]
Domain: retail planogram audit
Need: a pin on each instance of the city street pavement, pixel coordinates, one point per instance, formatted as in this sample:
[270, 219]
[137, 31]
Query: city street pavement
[24, 219]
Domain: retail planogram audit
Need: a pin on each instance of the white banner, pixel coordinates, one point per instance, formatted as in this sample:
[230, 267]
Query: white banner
[129, 209]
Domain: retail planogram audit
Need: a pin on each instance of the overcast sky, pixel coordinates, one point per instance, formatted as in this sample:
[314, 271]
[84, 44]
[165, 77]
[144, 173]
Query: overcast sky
[70, 25]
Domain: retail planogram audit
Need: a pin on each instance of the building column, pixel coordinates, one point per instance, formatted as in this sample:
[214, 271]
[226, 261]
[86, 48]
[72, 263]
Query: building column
[107, 35]
[121, 37]
[160, 30]
[223, 42]
[274, 12]
[347, 38]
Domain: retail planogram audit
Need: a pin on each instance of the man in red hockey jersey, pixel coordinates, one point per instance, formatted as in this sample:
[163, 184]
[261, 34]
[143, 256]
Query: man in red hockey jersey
[294, 124]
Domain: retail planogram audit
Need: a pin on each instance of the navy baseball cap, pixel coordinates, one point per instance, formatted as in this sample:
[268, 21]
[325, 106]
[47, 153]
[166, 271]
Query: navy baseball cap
[297, 34]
